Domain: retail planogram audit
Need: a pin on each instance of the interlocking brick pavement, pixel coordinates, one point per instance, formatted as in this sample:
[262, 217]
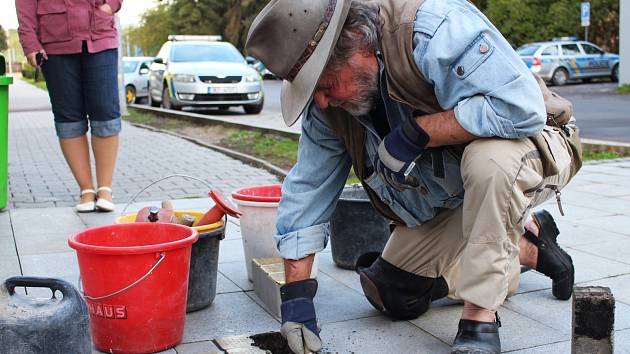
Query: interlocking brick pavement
[39, 176]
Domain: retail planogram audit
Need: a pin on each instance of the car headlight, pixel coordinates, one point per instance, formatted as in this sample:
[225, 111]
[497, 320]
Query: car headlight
[252, 78]
[184, 78]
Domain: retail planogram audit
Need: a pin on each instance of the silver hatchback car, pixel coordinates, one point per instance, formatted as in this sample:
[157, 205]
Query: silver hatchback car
[190, 71]
[563, 60]
[136, 77]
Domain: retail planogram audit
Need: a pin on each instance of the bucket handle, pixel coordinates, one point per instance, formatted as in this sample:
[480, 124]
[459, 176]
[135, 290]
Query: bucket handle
[97, 298]
[133, 199]
[66, 289]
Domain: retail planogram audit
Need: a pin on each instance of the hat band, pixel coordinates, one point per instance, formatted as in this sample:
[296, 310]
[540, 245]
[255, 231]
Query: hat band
[312, 44]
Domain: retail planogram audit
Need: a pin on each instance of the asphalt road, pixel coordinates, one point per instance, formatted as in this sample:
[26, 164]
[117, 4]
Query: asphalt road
[601, 112]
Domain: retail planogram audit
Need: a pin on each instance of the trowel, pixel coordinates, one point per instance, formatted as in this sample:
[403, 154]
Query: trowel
[220, 209]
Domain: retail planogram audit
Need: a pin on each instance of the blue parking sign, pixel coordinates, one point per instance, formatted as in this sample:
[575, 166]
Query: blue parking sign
[586, 14]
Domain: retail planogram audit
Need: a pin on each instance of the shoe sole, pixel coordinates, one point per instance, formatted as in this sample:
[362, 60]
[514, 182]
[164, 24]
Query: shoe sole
[558, 286]
[371, 292]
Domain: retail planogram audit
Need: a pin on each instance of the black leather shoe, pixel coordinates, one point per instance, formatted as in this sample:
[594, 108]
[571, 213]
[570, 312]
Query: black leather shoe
[474, 337]
[553, 261]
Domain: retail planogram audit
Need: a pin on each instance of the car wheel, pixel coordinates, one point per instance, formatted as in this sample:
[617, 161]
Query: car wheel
[254, 108]
[615, 74]
[166, 100]
[130, 94]
[560, 77]
[152, 102]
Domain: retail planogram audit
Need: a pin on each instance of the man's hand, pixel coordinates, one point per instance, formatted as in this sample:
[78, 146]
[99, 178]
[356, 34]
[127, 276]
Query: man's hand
[106, 9]
[397, 153]
[299, 322]
[32, 57]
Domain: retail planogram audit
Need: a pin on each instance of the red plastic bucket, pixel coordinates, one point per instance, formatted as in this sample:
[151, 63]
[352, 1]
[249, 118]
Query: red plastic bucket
[267, 194]
[135, 280]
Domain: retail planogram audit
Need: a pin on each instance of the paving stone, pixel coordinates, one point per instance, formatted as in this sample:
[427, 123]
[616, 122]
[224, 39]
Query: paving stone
[45, 221]
[617, 250]
[573, 235]
[620, 287]
[7, 246]
[541, 306]
[205, 347]
[378, 335]
[9, 266]
[348, 277]
[573, 213]
[614, 223]
[517, 332]
[237, 273]
[230, 314]
[533, 281]
[231, 251]
[50, 265]
[622, 342]
[560, 347]
[589, 267]
[336, 302]
[225, 285]
[34, 244]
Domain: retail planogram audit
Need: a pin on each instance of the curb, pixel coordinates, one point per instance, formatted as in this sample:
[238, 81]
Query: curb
[212, 120]
[251, 160]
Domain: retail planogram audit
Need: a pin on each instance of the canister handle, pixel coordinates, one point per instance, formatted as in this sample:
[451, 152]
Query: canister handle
[53, 284]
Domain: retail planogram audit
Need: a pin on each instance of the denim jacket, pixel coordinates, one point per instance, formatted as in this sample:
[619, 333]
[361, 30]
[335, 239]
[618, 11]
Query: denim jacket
[494, 96]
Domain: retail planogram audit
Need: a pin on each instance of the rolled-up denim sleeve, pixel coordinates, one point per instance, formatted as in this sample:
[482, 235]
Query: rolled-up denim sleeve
[476, 72]
[311, 189]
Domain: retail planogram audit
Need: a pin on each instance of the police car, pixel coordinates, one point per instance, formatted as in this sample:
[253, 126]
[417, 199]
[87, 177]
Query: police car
[565, 59]
[202, 71]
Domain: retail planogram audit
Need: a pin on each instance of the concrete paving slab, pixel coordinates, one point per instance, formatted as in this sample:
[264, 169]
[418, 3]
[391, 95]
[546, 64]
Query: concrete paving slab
[541, 306]
[336, 302]
[614, 223]
[51, 264]
[560, 347]
[622, 342]
[533, 281]
[205, 347]
[7, 246]
[34, 244]
[232, 232]
[605, 190]
[348, 277]
[617, 250]
[573, 235]
[237, 273]
[378, 335]
[230, 314]
[5, 224]
[573, 213]
[231, 251]
[517, 332]
[620, 287]
[45, 221]
[225, 285]
[589, 267]
[9, 266]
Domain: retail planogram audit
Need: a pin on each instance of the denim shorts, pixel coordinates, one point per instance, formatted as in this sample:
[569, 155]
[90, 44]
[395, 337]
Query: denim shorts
[84, 87]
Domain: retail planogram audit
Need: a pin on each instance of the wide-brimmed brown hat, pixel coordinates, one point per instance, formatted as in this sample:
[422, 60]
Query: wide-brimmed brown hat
[294, 39]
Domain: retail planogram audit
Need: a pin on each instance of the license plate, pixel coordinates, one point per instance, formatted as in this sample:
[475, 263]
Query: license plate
[222, 89]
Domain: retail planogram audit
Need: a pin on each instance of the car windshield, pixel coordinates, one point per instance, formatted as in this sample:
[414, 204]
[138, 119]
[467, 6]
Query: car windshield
[203, 52]
[528, 49]
[130, 66]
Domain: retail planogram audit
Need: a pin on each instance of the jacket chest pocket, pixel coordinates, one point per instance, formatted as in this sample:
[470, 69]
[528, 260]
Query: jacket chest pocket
[103, 25]
[53, 21]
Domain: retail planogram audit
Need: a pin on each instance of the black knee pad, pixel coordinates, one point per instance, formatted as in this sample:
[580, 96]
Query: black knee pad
[398, 293]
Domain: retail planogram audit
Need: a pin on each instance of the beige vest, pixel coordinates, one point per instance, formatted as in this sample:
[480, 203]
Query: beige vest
[406, 84]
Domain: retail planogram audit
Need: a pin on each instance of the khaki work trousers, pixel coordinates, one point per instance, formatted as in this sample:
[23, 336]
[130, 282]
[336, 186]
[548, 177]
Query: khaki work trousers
[475, 247]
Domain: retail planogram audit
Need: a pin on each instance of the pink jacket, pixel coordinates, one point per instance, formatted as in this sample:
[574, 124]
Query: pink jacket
[60, 26]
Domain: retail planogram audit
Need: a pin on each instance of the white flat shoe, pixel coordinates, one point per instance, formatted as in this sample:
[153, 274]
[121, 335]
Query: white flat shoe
[86, 207]
[104, 204]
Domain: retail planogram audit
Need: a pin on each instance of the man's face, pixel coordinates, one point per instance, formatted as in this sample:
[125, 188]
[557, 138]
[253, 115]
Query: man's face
[353, 86]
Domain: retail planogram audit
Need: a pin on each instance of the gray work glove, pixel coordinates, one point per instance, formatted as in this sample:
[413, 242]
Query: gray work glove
[299, 322]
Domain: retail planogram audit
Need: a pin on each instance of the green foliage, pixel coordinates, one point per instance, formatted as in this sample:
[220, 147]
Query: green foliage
[31, 72]
[624, 89]
[155, 26]
[600, 155]
[523, 21]
[3, 40]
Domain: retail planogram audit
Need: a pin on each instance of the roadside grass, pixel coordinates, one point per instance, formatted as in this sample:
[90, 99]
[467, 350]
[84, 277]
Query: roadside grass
[40, 84]
[278, 150]
[624, 89]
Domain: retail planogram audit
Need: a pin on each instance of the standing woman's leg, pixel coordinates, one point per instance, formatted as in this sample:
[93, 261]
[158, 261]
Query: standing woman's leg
[100, 88]
[63, 79]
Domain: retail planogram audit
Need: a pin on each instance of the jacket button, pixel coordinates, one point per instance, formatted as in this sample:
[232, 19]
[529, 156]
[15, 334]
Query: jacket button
[460, 70]
[483, 48]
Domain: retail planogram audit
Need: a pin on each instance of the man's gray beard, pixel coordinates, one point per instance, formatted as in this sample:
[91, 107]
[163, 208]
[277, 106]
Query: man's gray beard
[366, 97]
